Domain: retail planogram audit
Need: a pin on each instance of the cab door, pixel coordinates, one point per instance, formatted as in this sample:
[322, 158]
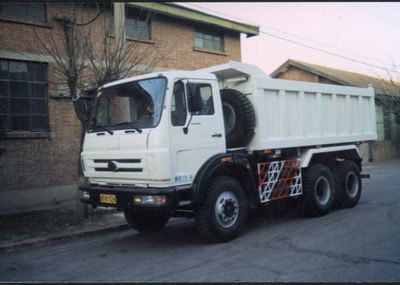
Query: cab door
[197, 136]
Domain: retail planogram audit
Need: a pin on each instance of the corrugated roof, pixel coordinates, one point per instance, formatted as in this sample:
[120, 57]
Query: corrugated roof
[381, 86]
[178, 11]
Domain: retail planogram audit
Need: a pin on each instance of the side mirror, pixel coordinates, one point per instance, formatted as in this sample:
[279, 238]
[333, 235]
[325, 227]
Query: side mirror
[194, 98]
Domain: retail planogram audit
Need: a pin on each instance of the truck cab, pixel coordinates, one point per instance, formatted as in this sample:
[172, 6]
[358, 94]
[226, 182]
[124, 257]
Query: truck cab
[150, 135]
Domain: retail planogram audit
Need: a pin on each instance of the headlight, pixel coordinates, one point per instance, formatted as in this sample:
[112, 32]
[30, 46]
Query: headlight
[85, 195]
[149, 199]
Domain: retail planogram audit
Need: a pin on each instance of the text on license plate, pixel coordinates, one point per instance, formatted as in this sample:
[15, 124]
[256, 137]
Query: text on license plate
[108, 199]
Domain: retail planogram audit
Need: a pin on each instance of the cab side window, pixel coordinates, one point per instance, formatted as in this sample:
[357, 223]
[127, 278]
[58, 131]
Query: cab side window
[178, 105]
[204, 93]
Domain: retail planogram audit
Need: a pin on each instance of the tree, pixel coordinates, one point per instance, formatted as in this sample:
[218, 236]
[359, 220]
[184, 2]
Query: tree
[112, 59]
[389, 98]
[85, 55]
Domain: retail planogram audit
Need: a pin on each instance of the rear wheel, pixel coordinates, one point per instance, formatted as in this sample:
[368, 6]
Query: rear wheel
[319, 190]
[223, 210]
[146, 222]
[348, 184]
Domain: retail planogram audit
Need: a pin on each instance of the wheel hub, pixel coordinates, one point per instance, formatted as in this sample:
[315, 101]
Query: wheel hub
[352, 186]
[322, 190]
[227, 209]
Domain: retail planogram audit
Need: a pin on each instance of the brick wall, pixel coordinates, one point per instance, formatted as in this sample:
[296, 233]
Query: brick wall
[294, 73]
[52, 160]
[175, 39]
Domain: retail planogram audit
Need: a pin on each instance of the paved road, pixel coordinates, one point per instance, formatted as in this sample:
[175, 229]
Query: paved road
[359, 244]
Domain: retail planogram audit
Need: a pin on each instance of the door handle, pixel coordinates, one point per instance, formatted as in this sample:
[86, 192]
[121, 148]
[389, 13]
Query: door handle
[216, 135]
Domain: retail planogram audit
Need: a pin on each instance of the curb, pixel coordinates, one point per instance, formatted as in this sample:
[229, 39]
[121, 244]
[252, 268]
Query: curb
[53, 240]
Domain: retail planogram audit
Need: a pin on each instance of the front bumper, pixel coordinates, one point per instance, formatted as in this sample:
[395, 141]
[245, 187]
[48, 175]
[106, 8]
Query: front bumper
[125, 197]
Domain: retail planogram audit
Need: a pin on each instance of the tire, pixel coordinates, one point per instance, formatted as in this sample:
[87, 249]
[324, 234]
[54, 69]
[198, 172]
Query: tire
[239, 118]
[348, 184]
[146, 222]
[223, 210]
[319, 190]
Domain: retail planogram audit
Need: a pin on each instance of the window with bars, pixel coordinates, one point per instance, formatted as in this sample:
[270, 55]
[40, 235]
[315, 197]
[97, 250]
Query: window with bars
[29, 11]
[397, 118]
[23, 96]
[208, 39]
[137, 24]
[386, 125]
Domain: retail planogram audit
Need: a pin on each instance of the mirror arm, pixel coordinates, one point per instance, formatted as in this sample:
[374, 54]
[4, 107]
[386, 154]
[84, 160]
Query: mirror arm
[186, 128]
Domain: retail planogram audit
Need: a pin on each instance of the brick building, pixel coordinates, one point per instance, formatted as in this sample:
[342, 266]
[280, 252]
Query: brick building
[39, 130]
[388, 126]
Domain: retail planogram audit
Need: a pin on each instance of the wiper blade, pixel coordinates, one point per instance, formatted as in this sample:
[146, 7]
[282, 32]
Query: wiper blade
[103, 128]
[131, 125]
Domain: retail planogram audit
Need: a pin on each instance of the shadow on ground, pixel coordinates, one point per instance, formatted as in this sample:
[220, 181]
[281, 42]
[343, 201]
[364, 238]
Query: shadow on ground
[181, 231]
[18, 227]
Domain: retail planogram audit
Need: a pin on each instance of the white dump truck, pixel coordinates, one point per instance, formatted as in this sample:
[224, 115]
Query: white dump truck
[216, 143]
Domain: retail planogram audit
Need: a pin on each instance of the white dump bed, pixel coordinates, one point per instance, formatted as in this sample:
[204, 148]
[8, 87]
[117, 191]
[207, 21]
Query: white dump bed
[295, 114]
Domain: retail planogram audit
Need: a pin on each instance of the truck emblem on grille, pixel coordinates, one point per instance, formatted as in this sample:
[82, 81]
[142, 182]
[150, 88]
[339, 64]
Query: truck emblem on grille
[112, 165]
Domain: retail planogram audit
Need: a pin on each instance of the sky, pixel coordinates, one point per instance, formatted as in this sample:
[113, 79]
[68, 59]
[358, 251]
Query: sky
[368, 32]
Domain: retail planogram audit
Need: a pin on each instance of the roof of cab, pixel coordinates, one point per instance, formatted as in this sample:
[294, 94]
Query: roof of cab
[182, 74]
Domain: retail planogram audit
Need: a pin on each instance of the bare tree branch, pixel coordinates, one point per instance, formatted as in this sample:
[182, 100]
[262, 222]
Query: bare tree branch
[83, 52]
[389, 92]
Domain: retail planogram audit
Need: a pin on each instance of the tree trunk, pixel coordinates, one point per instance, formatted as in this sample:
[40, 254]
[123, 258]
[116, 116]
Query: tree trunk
[83, 116]
[82, 112]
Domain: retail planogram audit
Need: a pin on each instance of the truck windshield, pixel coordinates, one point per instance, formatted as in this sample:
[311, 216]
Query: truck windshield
[136, 104]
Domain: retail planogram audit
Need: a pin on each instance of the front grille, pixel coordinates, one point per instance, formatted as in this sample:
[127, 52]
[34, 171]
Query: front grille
[117, 160]
[119, 170]
[117, 165]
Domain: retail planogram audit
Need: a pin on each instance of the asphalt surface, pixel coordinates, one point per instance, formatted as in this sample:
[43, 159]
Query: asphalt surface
[359, 244]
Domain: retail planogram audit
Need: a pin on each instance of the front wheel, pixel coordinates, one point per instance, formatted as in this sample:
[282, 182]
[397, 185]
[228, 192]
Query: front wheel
[223, 210]
[146, 222]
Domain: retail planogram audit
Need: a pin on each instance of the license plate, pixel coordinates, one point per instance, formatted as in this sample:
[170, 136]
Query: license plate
[108, 199]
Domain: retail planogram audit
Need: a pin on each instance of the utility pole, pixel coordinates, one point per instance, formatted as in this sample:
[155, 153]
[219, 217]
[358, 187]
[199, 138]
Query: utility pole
[119, 23]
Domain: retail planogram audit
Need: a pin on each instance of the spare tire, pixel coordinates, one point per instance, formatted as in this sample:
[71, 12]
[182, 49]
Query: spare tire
[239, 118]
